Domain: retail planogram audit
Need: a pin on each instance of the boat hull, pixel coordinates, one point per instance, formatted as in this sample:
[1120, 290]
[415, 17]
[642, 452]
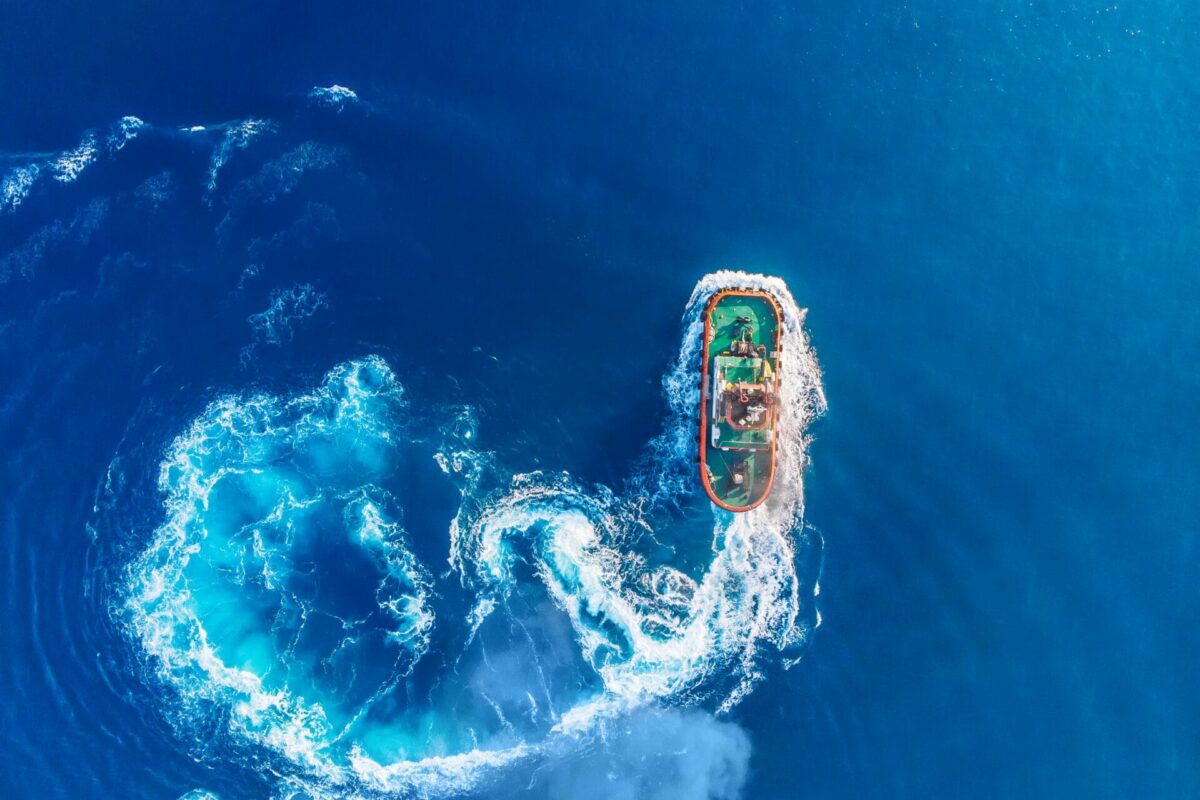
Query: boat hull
[739, 392]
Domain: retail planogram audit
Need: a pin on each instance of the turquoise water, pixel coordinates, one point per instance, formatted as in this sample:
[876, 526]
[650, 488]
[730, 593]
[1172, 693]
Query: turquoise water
[347, 386]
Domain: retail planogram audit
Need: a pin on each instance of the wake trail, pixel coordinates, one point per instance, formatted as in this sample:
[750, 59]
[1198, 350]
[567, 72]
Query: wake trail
[260, 490]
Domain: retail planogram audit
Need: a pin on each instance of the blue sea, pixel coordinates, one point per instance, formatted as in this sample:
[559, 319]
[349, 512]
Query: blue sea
[348, 382]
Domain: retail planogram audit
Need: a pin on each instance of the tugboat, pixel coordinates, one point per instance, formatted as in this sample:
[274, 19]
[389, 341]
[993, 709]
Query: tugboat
[739, 392]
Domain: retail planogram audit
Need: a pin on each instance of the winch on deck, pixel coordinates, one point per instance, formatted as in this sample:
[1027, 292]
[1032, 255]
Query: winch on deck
[747, 384]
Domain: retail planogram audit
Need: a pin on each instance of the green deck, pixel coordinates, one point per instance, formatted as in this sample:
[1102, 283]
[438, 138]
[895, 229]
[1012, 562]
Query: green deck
[727, 446]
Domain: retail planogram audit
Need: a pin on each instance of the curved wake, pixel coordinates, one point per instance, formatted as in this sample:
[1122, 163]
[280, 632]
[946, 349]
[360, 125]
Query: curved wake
[282, 594]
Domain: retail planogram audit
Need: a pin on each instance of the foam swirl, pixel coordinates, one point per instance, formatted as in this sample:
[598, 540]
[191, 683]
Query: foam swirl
[281, 592]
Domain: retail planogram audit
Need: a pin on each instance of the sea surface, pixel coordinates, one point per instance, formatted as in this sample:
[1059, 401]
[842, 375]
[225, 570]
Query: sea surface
[348, 371]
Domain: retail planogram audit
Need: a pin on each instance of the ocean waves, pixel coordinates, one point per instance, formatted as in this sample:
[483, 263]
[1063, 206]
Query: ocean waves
[334, 97]
[282, 599]
[275, 324]
[68, 165]
[23, 261]
[280, 586]
[651, 631]
[234, 136]
[24, 172]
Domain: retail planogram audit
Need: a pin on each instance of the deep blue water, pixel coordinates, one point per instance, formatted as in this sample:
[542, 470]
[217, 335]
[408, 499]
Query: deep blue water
[344, 433]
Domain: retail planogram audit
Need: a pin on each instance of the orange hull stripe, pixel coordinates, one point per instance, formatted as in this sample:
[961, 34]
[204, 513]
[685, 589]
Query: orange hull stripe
[777, 347]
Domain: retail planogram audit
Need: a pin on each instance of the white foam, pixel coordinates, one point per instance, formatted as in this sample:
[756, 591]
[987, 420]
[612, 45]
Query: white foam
[335, 96]
[274, 325]
[159, 606]
[69, 165]
[16, 186]
[652, 634]
[283, 174]
[125, 131]
[405, 588]
[678, 637]
[237, 136]
[437, 775]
